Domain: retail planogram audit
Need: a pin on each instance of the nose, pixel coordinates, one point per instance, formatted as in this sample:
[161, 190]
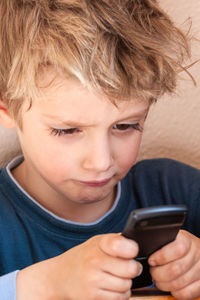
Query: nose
[98, 157]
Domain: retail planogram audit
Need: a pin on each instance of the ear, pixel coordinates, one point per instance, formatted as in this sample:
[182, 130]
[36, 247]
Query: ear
[5, 119]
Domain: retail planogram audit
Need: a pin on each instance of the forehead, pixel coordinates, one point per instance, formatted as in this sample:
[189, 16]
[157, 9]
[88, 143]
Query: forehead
[64, 96]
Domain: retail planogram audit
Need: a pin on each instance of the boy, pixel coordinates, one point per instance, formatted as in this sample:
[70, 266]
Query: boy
[77, 79]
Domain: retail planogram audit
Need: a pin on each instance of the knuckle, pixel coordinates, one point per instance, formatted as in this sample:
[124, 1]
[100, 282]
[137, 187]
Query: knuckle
[133, 268]
[124, 285]
[181, 249]
[94, 261]
[110, 243]
[176, 269]
[114, 245]
[93, 279]
[127, 285]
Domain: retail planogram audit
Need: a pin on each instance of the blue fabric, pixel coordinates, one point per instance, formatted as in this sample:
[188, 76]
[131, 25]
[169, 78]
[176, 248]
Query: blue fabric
[29, 234]
[8, 286]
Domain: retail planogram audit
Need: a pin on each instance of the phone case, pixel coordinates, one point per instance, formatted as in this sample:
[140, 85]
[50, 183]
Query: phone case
[153, 228]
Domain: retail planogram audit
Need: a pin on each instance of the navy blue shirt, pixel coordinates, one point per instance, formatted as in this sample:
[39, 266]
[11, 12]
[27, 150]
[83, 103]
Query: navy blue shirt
[29, 233]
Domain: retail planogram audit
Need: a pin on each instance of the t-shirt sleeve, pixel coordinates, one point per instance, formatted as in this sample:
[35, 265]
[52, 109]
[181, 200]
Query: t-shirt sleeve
[8, 286]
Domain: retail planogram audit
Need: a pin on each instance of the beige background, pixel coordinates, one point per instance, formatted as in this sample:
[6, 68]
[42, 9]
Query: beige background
[172, 128]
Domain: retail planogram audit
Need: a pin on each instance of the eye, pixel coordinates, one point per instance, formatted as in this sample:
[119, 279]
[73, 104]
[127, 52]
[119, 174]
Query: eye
[126, 127]
[59, 132]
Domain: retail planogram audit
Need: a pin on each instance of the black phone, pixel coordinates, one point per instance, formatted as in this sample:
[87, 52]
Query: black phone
[152, 228]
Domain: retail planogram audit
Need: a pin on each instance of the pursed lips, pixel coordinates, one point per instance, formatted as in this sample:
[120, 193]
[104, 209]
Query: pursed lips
[95, 183]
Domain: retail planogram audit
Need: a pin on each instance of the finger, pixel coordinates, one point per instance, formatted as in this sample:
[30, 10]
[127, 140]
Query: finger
[118, 246]
[115, 284]
[125, 268]
[174, 269]
[190, 292]
[173, 251]
[110, 295]
[186, 279]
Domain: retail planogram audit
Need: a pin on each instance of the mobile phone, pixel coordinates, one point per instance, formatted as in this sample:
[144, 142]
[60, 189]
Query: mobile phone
[152, 228]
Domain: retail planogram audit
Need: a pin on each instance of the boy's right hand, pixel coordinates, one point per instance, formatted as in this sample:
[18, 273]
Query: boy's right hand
[101, 268]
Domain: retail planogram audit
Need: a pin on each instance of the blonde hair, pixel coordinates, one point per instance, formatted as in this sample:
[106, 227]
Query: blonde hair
[121, 48]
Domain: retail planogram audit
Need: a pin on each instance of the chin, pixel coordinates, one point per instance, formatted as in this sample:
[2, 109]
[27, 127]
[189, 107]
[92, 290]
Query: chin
[88, 199]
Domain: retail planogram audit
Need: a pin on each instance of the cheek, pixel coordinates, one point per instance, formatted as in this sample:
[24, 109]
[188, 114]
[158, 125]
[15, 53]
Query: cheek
[128, 152]
[57, 163]
[54, 167]
[54, 161]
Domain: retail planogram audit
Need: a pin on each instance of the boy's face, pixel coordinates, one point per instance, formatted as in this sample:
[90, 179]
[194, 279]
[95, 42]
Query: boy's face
[77, 145]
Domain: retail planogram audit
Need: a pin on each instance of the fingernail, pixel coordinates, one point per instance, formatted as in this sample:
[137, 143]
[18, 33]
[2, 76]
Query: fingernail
[140, 270]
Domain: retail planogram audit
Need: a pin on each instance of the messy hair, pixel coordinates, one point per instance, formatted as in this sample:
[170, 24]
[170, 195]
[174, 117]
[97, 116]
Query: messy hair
[121, 48]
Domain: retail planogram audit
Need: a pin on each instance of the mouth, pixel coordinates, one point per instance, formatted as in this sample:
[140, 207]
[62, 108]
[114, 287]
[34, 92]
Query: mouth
[96, 183]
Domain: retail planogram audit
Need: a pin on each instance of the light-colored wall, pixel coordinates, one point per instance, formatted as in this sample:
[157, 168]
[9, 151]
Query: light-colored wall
[172, 128]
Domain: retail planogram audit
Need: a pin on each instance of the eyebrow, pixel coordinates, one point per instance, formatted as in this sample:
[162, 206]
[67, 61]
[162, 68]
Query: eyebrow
[140, 114]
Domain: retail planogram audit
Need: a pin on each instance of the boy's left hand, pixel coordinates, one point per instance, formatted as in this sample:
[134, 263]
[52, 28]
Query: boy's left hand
[176, 267]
